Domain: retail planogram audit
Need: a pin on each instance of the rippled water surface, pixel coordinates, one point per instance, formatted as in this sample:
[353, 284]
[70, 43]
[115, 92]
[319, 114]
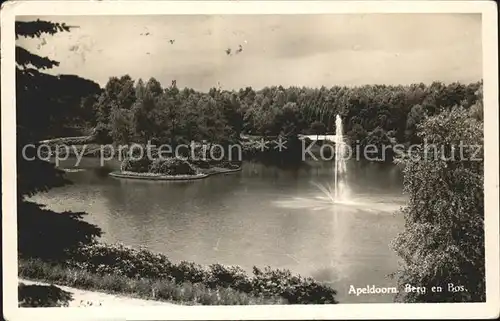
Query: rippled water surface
[260, 216]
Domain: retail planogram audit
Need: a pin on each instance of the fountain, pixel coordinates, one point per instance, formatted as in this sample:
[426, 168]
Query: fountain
[337, 195]
[340, 163]
[342, 205]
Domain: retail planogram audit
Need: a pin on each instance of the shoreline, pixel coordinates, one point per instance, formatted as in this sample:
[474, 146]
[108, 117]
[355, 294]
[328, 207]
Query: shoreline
[159, 177]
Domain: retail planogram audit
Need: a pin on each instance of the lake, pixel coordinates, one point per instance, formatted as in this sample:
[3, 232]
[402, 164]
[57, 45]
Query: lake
[260, 216]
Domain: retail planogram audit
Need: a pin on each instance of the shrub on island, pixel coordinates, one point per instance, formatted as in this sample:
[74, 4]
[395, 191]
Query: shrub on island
[167, 166]
[138, 263]
[229, 165]
[200, 163]
[140, 165]
[172, 166]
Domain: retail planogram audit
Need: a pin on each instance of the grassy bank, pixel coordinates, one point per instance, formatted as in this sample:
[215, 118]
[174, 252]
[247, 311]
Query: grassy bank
[140, 272]
[143, 288]
[138, 263]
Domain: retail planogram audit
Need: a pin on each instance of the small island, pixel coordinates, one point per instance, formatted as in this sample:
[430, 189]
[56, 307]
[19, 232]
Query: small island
[172, 168]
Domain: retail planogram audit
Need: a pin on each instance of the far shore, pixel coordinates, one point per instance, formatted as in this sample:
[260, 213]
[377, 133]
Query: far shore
[160, 177]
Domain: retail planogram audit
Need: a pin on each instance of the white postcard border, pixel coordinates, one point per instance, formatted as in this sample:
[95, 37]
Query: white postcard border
[490, 309]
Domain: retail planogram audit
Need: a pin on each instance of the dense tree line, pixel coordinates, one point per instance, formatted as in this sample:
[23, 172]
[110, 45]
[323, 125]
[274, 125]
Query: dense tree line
[147, 112]
[138, 112]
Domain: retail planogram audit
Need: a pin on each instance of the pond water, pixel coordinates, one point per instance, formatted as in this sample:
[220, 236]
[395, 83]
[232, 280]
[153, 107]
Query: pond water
[260, 216]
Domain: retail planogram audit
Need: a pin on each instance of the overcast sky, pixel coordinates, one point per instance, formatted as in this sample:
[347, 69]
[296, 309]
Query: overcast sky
[288, 50]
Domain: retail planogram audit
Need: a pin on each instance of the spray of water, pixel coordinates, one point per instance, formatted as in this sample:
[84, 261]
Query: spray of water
[337, 192]
[340, 162]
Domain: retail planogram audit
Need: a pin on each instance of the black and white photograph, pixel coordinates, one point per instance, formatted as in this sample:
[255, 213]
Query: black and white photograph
[160, 159]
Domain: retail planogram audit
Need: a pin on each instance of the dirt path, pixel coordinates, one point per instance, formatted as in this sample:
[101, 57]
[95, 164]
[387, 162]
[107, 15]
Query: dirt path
[81, 298]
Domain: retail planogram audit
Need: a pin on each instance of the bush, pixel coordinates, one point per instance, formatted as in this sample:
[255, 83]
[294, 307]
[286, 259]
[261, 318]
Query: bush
[101, 134]
[203, 164]
[42, 296]
[119, 260]
[172, 166]
[168, 166]
[147, 288]
[229, 165]
[443, 240]
[188, 272]
[136, 165]
[234, 277]
[294, 288]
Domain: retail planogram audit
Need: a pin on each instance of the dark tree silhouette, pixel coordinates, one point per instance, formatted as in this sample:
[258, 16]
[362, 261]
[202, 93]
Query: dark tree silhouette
[318, 128]
[43, 101]
[35, 296]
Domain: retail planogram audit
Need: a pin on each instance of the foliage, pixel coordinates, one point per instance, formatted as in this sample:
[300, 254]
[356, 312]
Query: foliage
[164, 166]
[135, 263]
[101, 134]
[382, 145]
[120, 120]
[477, 107]
[35, 29]
[317, 128]
[43, 103]
[138, 165]
[443, 240]
[42, 296]
[228, 164]
[172, 166]
[145, 287]
[415, 116]
[49, 235]
[179, 116]
[357, 134]
[112, 109]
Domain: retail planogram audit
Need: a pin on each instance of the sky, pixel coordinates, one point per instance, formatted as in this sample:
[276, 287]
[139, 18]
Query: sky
[287, 50]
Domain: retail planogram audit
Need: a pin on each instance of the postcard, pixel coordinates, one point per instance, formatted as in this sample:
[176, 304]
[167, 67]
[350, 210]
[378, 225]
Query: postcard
[262, 160]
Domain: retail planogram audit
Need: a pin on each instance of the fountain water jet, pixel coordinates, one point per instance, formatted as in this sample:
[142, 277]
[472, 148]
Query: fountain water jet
[338, 192]
[340, 163]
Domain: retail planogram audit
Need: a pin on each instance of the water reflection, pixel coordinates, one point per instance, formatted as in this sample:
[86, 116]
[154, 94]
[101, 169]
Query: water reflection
[260, 216]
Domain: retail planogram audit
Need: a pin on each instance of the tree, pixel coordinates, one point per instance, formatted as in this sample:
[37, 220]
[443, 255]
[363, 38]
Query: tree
[144, 117]
[170, 114]
[32, 122]
[357, 134]
[318, 128]
[477, 109]
[415, 116]
[87, 111]
[118, 93]
[231, 107]
[121, 125]
[42, 233]
[443, 240]
[289, 121]
[379, 139]
[212, 123]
